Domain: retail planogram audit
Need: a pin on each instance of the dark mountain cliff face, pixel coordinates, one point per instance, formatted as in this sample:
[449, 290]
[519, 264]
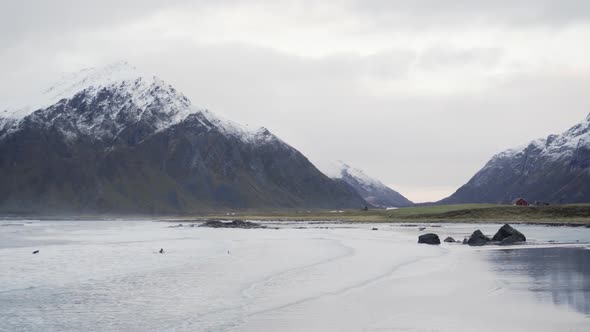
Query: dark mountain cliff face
[136, 145]
[554, 170]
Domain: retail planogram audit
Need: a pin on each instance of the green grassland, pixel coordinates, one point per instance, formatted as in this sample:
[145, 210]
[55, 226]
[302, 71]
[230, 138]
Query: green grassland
[555, 214]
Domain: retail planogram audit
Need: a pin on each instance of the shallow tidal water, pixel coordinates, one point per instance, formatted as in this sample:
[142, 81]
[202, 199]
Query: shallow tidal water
[109, 276]
[560, 276]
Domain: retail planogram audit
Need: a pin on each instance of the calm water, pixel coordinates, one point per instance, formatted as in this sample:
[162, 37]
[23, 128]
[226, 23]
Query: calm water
[557, 275]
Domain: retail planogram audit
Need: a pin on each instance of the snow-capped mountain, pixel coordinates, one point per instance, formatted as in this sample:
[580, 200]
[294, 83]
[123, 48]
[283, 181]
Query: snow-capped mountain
[103, 102]
[371, 189]
[555, 169]
[113, 139]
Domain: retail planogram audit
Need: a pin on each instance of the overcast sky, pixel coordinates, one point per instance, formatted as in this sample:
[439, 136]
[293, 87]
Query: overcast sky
[419, 94]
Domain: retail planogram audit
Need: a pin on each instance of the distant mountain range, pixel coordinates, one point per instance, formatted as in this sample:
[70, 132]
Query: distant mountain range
[555, 169]
[114, 140]
[371, 189]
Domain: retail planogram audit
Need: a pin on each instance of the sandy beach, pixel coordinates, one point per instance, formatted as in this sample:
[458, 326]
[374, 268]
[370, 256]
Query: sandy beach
[109, 276]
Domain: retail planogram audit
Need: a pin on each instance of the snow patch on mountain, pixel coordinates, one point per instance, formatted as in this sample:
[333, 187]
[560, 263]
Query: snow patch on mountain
[553, 147]
[93, 79]
[137, 96]
[554, 169]
[371, 189]
[340, 170]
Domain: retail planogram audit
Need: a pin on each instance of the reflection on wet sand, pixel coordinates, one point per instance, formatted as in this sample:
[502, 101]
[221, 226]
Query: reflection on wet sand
[559, 275]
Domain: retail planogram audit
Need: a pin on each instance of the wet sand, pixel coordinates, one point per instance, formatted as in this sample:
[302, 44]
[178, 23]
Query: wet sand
[108, 275]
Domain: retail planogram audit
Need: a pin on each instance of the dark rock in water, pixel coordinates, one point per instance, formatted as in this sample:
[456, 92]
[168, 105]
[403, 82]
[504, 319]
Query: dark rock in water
[513, 239]
[421, 228]
[35, 252]
[478, 239]
[374, 229]
[508, 231]
[465, 240]
[233, 224]
[429, 238]
[450, 240]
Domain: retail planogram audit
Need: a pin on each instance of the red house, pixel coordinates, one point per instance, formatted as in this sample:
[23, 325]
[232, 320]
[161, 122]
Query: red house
[521, 202]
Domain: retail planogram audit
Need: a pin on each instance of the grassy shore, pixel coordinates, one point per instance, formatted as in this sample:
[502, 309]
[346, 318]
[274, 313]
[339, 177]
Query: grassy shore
[578, 214]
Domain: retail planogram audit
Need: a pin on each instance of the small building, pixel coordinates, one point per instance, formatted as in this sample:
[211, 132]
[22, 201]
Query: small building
[521, 202]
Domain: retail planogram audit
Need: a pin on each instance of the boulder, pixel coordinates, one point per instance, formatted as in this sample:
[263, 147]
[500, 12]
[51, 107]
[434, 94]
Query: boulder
[478, 239]
[508, 231]
[513, 239]
[375, 229]
[429, 238]
[465, 240]
[233, 224]
[450, 240]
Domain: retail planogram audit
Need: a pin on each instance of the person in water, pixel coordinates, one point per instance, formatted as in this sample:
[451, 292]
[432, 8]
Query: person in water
[161, 250]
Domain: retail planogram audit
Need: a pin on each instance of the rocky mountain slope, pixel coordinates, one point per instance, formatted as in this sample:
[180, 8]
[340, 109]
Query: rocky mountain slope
[114, 140]
[555, 169]
[372, 190]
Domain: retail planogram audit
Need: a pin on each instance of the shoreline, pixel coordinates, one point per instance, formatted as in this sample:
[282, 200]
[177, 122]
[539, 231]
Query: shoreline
[403, 223]
[577, 215]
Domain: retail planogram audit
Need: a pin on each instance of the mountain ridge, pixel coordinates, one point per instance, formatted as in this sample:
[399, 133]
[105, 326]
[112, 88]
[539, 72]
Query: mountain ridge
[131, 143]
[553, 169]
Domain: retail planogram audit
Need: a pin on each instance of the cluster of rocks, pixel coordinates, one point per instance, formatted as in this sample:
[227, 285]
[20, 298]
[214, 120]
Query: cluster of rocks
[232, 224]
[506, 235]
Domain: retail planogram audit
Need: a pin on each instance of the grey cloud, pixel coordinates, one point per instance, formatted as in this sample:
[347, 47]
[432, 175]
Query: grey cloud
[34, 19]
[26, 20]
[436, 57]
[515, 12]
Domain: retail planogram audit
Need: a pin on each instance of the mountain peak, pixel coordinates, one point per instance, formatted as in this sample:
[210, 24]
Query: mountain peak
[339, 169]
[550, 169]
[335, 169]
[371, 189]
[116, 74]
[102, 101]
[96, 76]
[148, 150]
